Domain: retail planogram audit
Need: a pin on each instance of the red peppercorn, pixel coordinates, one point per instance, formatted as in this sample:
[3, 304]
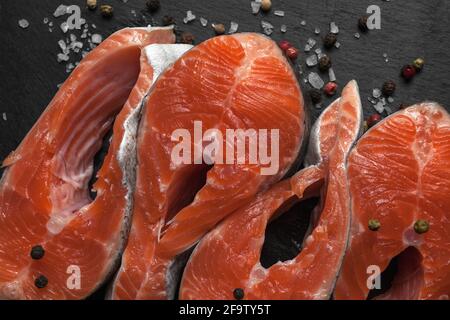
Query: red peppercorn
[408, 72]
[373, 120]
[292, 53]
[330, 88]
[284, 45]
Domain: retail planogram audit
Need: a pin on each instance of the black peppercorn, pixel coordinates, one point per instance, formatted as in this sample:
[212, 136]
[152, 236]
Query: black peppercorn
[168, 21]
[37, 252]
[106, 11]
[324, 63]
[153, 5]
[389, 88]
[238, 294]
[316, 96]
[362, 24]
[330, 40]
[41, 282]
[187, 37]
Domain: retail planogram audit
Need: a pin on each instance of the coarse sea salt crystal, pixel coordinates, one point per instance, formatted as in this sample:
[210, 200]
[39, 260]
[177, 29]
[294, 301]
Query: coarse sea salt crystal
[317, 31]
[376, 93]
[312, 61]
[303, 23]
[357, 35]
[315, 80]
[379, 107]
[267, 27]
[334, 28]
[62, 57]
[60, 11]
[256, 6]
[45, 20]
[4, 116]
[331, 75]
[234, 26]
[189, 17]
[62, 44]
[96, 38]
[64, 27]
[283, 28]
[279, 13]
[23, 23]
[203, 22]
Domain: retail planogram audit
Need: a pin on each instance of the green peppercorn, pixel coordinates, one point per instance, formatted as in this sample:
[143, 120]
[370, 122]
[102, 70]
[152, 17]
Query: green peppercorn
[41, 282]
[316, 96]
[153, 5]
[421, 226]
[362, 24]
[324, 63]
[106, 10]
[374, 225]
[238, 294]
[330, 40]
[418, 64]
[168, 21]
[389, 88]
[187, 37]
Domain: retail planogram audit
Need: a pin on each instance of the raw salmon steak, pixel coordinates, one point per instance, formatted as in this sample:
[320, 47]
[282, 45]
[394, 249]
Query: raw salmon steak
[226, 262]
[400, 184]
[240, 81]
[55, 241]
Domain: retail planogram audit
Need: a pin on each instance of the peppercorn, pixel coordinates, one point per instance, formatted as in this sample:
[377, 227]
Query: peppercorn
[324, 63]
[41, 282]
[153, 5]
[168, 21]
[106, 10]
[365, 126]
[187, 37]
[330, 40]
[421, 226]
[408, 72]
[373, 120]
[330, 89]
[37, 252]
[362, 24]
[374, 225]
[418, 64]
[219, 28]
[266, 5]
[316, 96]
[238, 294]
[284, 45]
[292, 53]
[91, 4]
[389, 88]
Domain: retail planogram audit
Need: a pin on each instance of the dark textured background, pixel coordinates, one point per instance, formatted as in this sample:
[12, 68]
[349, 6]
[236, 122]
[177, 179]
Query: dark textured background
[29, 72]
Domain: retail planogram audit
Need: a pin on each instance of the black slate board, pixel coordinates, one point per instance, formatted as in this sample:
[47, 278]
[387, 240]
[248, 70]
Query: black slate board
[29, 72]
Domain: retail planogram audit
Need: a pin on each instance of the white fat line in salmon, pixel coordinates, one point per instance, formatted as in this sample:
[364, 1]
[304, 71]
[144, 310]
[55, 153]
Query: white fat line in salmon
[210, 147]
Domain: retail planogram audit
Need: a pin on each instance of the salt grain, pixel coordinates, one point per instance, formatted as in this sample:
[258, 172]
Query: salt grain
[256, 6]
[283, 28]
[331, 75]
[203, 22]
[4, 116]
[357, 35]
[312, 60]
[303, 23]
[96, 38]
[376, 93]
[315, 80]
[62, 57]
[379, 107]
[234, 26]
[189, 17]
[64, 27]
[279, 13]
[23, 23]
[334, 28]
[317, 31]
